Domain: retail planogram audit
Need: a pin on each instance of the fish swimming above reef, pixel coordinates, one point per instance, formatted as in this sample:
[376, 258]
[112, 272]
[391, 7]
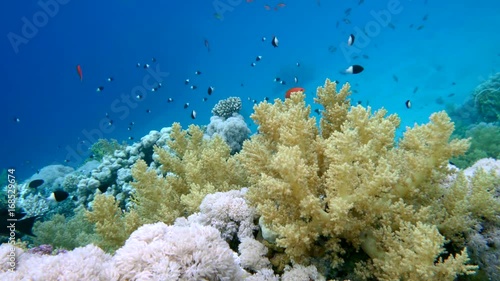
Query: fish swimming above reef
[35, 183]
[293, 90]
[58, 195]
[8, 223]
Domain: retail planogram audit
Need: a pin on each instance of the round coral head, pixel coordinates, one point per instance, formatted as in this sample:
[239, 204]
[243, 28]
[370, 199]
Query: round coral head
[293, 90]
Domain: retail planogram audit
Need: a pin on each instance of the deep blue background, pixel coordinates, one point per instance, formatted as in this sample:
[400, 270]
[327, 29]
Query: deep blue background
[457, 44]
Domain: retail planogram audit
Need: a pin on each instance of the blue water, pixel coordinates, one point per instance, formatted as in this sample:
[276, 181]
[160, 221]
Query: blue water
[457, 48]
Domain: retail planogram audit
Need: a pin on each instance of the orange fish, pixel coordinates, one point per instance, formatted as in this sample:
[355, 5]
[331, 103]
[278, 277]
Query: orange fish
[80, 73]
[293, 90]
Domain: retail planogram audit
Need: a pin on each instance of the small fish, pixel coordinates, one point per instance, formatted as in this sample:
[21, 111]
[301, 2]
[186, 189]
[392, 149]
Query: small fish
[35, 183]
[451, 94]
[408, 104]
[295, 79]
[317, 111]
[129, 128]
[395, 78]
[207, 44]
[169, 100]
[186, 105]
[153, 59]
[392, 26]
[411, 25]
[277, 79]
[420, 27]
[350, 40]
[186, 81]
[58, 195]
[148, 110]
[297, 64]
[99, 89]
[197, 72]
[282, 82]
[354, 69]
[110, 79]
[193, 87]
[205, 99]
[210, 90]
[263, 39]
[131, 138]
[258, 58]
[137, 65]
[17, 119]
[275, 41]
[146, 66]
[193, 114]
[139, 97]
[267, 7]
[80, 72]
[346, 21]
[415, 90]
[366, 56]
[293, 90]
[425, 17]
[347, 11]
[253, 64]
[361, 2]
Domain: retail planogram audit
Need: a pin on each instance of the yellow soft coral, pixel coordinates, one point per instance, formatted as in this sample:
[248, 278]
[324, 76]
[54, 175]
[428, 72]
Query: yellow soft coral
[112, 224]
[348, 181]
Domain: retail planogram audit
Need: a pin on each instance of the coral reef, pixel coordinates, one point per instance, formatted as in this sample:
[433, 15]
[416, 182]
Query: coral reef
[487, 99]
[233, 130]
[485, 142]
[227, 107]
[188, 169]
[349, 184]
[104, 147]
[64, 232]
[296, 202]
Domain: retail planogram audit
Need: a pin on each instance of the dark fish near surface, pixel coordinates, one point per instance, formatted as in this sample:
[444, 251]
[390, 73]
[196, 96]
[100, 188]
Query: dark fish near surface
[395, 78]
[408, 104]
[35, 183]
[207, 45]
[350, 40]
[275, 41]
[354, 69]
[415, 90]
[23, 226]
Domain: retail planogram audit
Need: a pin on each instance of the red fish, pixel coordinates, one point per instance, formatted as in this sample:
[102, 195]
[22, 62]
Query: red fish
[293, 90]
[80, 73]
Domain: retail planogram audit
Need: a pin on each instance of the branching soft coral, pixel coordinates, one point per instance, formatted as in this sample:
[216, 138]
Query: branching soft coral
[345, 183]
[196, 166]
[192, 168]
[112, 225]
